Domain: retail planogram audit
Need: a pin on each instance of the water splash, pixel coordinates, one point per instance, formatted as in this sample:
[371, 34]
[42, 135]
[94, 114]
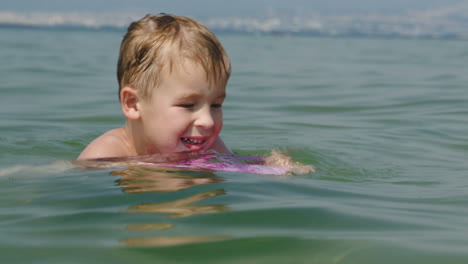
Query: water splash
[276, 163]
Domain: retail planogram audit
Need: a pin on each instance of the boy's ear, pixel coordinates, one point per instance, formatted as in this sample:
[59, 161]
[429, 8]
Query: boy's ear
[129, 101]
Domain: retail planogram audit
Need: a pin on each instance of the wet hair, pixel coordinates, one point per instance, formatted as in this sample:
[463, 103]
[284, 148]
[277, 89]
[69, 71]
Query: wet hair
[156, 43]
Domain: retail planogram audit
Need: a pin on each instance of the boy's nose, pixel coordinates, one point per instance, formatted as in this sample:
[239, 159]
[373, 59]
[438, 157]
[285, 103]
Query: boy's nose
[204, 119]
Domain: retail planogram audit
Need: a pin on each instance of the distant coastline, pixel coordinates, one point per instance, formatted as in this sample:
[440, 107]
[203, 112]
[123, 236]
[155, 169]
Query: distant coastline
[279, 34]
[59, 27]
[450, 22]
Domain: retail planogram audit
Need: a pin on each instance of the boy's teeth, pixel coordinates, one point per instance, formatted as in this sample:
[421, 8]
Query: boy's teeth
[192, 141]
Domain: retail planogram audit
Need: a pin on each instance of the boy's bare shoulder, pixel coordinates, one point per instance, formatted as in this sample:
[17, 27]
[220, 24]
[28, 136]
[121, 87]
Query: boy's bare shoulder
[110, 144]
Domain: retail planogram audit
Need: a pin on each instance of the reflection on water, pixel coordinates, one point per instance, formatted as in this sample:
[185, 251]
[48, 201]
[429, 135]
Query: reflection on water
[142, 180]
[183, 207]
[153, 226]
[169, 241]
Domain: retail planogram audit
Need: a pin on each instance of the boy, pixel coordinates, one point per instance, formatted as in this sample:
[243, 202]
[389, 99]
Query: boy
[172, 74]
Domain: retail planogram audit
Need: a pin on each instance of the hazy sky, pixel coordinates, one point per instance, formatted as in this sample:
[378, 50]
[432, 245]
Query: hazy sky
[238, 8]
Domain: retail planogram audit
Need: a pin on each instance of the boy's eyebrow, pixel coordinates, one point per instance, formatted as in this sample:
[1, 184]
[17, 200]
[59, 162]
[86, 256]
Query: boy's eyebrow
[187, 96]
[222, 95]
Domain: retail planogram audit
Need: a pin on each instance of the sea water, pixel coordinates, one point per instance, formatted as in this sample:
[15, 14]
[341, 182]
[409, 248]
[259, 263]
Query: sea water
[384, 122]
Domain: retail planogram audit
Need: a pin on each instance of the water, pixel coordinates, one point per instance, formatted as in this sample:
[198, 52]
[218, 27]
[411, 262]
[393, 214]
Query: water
[383, 121]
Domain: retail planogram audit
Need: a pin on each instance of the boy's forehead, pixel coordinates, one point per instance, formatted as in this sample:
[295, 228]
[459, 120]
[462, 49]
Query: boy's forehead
[187, 75]
[191, 67]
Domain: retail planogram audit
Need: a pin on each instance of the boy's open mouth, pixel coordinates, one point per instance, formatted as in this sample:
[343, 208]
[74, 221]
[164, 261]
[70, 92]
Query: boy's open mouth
[193, 141]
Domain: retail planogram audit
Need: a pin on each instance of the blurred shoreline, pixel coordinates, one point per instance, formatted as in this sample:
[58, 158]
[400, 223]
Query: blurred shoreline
[281, 34]
[450, 22]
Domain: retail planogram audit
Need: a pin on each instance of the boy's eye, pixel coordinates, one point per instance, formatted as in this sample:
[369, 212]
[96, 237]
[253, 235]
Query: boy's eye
[190, 106]
[186, 105]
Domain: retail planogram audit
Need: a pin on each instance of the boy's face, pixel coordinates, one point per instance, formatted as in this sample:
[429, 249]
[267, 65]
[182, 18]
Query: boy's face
[183, 113]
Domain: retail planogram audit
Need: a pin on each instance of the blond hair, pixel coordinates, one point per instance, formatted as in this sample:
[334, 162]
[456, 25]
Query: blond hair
[156, 43]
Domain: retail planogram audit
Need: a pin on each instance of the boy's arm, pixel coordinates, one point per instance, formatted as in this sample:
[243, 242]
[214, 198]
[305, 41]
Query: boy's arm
[220, 147]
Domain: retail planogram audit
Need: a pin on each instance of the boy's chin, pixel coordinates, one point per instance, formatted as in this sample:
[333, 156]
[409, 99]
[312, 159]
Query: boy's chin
[194, 147]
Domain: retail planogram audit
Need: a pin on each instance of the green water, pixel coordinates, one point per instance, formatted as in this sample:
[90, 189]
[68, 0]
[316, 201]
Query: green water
[383, 121]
